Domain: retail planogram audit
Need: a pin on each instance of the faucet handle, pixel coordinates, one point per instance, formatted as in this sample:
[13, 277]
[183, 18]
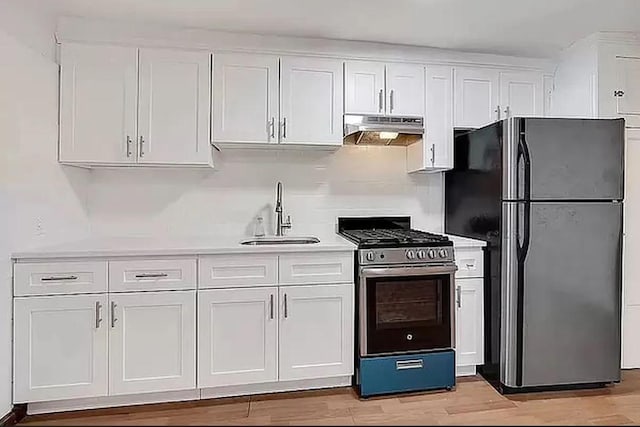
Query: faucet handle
[287, 223]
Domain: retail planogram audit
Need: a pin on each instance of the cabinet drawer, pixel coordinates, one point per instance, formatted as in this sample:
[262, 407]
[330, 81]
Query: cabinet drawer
[470, 262]
[409, 372]
[225, 271]
[316, 268]
[60, 278]
[152, 274]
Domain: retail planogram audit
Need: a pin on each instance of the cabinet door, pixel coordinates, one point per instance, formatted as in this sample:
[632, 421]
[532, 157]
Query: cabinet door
[521, 94]
[60, 349]
[152, 342]
[245, 98]
[316, 331]
[628, 81]
[238, 336]
[174, 107]
[476, 97]
[469, 322]
[439, 117]
[364, 87]
[311, 101]
[98, 101]
[405, 90]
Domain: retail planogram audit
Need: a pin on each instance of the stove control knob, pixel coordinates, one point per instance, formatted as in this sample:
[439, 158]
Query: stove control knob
[421, 254]
[443, 253]
[370, 256]
[431, 253]
[410, 254]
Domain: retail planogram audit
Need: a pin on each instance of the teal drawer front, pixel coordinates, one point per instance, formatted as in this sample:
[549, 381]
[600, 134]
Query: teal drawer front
[411, 372]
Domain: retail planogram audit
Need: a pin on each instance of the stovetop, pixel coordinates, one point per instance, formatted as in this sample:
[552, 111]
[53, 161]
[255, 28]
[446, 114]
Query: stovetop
[394, 238]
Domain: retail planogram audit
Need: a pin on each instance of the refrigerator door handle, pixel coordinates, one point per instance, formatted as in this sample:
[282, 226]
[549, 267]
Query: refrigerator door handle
[523, 151]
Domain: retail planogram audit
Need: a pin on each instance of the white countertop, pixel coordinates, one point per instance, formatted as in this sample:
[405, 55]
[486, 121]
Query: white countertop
[465, 242]
[205, 245]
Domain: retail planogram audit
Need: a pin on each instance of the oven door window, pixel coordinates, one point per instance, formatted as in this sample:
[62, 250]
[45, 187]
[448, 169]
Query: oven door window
[408, 313]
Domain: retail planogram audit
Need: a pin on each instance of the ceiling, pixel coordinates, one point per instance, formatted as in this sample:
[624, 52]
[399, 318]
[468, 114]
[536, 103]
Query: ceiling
[537, 28]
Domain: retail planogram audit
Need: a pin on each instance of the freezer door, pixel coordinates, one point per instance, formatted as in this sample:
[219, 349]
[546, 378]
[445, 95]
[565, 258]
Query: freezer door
[573, 159]
[568, 291]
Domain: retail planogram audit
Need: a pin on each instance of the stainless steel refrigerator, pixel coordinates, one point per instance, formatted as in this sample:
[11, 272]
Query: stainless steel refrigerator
[546, 195]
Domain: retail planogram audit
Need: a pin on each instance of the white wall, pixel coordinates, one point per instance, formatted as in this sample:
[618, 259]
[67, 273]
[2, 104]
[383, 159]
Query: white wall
[32, 185]
[318, 187]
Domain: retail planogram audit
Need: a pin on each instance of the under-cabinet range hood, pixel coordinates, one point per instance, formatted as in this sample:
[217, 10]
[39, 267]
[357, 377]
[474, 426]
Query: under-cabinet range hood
[372, 129]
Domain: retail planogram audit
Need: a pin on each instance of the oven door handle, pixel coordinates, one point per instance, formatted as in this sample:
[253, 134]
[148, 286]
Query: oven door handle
[406, 271]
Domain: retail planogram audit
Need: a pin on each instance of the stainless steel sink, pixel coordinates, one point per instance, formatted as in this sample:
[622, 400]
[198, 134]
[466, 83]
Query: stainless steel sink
[280, 240]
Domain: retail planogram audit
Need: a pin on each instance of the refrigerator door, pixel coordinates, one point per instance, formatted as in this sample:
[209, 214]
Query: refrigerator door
[564, 294]
[570, 159]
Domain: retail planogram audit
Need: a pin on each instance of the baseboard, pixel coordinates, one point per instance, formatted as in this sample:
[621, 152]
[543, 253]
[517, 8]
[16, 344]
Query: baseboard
[18, 412]
[465, 371]
[278, 387]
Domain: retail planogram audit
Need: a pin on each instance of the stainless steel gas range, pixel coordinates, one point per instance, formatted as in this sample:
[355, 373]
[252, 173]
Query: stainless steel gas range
[405, 306]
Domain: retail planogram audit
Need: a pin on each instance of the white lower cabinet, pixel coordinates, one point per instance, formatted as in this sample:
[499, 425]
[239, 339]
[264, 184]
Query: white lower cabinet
[237, 336]
[316, 331]
[152, 342]
[60, 347]
[469, 322]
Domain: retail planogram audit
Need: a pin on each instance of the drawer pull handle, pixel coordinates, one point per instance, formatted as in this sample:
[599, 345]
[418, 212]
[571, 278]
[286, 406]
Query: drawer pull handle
[58, 278]
[470, 265]
[150, 275]
[409, 364]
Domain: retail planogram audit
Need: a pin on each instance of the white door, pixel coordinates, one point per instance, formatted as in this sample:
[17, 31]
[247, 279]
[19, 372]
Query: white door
[631, 267]
[152, 342]
[521, 94]
[405, 90]
[469, 322]
[60, 348]
[311, 100]
[316, 331]
[98, 101]
[628, 89]
[439, 117]
[475, 97]
[237, 336]
[245, 98]
[364, 87]
[173, 118]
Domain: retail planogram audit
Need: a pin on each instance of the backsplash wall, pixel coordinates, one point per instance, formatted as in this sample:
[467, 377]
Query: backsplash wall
[318, 187]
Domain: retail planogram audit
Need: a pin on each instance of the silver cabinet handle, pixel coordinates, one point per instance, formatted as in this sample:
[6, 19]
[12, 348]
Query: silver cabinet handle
[459, 296]
[433, 154]
[507, 112]
[272, 127]
[497, 111]
[284, 127]
[128, 146]
[380, 100]
[58, 278]
[141, 147]
[391, 101]
[98, 317]
[150, 275]
[113, 314]
[286, 309]
[271, 306]
[409, 364]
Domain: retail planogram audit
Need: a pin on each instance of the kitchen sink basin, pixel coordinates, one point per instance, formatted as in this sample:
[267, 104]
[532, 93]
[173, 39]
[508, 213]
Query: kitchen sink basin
[284, 240]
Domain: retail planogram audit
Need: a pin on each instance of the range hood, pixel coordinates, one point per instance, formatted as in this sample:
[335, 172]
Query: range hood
[362, 129]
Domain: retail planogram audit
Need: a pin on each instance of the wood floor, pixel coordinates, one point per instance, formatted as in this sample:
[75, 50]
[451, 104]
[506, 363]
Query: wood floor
[473, 402]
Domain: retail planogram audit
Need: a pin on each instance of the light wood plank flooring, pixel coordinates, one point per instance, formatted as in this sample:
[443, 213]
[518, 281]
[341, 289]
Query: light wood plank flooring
[474, 402]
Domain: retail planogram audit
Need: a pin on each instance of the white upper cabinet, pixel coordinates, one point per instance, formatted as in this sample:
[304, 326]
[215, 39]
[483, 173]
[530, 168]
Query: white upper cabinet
[316, 331]
[627, 93]
[521, 94]
[476, 97]
[405, 89]
[98, 102]
[378, 88]
[60, 347]
[311, 101]
[238, 336]
[152, 342]
[364, 87]
[174, 107]
[245, 98]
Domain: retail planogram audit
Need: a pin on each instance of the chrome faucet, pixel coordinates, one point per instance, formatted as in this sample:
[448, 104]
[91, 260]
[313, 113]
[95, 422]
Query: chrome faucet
[280, 225]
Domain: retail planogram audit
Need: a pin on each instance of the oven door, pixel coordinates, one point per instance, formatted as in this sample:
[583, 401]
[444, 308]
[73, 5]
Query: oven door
[406, 309]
